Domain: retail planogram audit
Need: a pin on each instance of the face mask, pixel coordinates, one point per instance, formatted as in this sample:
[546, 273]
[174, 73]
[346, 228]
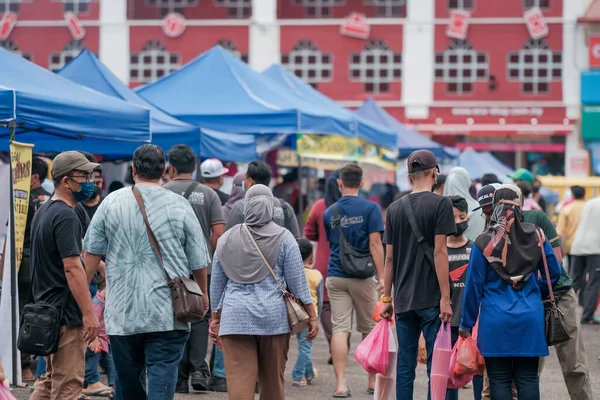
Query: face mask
[97, 192]
[86, 192]
[244, 186]
[461, 228]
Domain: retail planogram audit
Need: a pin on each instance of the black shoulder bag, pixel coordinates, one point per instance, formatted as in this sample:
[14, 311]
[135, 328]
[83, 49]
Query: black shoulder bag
[355, 262]
[190, 189]
[425, 247]
[39, 330]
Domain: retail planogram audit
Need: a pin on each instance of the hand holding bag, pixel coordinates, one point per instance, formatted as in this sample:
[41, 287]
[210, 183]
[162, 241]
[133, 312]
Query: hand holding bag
[297, 316]
[188, 299]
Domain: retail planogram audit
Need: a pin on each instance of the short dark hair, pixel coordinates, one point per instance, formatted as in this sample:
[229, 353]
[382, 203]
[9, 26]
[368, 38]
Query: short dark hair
[212, 180]
[351, 176]
[149, 161]
[441, 181]
[39, 167]
[526, 188]
[460, 203]
[421, 174]
[306, 248]
[183, 158]
[578, 192]
[488, 179]
[260, 172]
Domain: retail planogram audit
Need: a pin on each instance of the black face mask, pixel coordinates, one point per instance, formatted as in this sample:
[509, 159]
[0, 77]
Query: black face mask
[461, 228]
[536, 189]
[97, 192]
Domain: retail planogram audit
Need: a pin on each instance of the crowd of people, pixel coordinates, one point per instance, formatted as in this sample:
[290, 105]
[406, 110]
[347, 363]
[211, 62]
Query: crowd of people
[449, 251]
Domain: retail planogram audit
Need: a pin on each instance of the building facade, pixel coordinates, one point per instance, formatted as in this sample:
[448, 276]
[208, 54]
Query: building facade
[497, 88]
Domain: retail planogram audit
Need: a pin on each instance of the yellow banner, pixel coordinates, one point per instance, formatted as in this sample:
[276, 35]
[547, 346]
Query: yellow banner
[20, 158]
[337, 148]
[378, 156]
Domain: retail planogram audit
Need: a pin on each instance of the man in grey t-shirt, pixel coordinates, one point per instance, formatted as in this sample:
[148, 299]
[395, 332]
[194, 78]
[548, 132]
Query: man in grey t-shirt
[207, 207]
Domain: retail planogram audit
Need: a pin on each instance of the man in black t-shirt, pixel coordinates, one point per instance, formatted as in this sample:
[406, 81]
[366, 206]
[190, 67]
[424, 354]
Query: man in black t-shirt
[59, 278]
[421, 290]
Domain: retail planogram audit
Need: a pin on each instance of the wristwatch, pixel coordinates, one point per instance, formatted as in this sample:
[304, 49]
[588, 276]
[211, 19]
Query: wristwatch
[386, 299]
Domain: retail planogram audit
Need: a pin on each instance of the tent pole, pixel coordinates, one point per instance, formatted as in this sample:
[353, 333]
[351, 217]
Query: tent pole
[301, 196]
[13, 265]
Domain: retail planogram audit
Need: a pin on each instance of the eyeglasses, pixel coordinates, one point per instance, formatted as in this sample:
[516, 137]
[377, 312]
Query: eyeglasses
[87, 177]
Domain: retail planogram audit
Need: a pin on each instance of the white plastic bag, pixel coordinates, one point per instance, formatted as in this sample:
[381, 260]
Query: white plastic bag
[385, 384]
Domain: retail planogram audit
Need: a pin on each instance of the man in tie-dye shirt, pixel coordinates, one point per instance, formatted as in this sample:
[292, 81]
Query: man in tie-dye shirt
[139, 317]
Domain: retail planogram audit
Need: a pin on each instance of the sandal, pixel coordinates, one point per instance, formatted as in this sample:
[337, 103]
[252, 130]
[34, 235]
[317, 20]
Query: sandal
[345, 395]
[301, 383]
[84, 397]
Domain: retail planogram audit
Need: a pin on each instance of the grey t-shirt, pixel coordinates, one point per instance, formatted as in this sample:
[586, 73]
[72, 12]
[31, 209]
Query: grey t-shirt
[283, 215]
[206, 205]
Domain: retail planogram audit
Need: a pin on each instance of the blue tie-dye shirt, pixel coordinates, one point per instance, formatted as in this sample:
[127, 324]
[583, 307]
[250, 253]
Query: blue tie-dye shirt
[138, 299]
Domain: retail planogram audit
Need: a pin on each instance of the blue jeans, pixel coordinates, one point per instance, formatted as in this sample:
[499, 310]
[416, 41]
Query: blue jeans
[218, 370]
[41, 367]
[409, 325]
[158, 354]
[304, 366]
[452, 394]
[92, 360]
[502, 371]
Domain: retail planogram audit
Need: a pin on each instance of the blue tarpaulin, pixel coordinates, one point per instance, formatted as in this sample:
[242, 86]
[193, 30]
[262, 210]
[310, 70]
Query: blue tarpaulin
[408, 141]
[365, 129]
[43, 104]
[217, 91]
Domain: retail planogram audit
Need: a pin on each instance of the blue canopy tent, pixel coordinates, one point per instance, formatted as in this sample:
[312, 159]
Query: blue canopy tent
[167, 131]
[57, 114]
[408, 141]
[369, 131]
[217, 91]
[478, 164]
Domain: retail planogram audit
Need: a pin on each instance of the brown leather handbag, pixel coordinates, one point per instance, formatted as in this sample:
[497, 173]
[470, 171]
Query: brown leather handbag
[188, 299]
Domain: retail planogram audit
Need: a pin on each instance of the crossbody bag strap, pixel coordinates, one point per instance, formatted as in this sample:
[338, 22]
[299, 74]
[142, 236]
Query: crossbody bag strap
[338, 222]
[140, 201]
[263, 258]
[546, 270]
[190, 189]
[413, 224]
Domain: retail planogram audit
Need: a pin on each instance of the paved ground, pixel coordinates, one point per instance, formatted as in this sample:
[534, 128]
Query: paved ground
[552, 384]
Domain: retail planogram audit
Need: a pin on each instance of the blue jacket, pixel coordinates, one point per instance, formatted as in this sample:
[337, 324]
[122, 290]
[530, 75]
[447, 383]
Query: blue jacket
[511, 323]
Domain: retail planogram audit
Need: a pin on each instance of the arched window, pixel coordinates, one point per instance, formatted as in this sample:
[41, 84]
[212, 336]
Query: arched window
[535, 66]
[388, 8]
[232, 48]
[318, 8]
[236, 8]
[527, 4]
[57, 60]
[460, 67]
[376, 66]
[11, 5]
[465, 5]
[75, 6]
[12, 47]
[153, 62]
[168, 6]
[309, 63]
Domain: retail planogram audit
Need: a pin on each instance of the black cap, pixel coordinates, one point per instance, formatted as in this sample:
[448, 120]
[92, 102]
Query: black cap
[485, 197]
[421, 160]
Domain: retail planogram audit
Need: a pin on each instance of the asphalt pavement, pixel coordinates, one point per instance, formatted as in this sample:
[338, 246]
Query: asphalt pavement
[552, 385]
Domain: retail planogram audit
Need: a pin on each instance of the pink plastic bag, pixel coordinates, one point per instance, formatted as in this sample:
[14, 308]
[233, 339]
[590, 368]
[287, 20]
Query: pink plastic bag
[440, 363]
[385, 384]
[373, 352]
[5, 393]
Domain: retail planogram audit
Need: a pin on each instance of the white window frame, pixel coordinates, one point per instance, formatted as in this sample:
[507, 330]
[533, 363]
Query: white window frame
[168, 6]
[376, 48]
[536, 3]
[535, 49]
[387, 6]
[69, 52]
[14, 48]
[231, 47]
[461, 49]
[152, 49]
[238, 5]
[460, 5]
[322, 8]
[76, 5]
[305, 49]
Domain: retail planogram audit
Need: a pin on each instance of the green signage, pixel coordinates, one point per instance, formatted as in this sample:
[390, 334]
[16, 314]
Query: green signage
[590, 123]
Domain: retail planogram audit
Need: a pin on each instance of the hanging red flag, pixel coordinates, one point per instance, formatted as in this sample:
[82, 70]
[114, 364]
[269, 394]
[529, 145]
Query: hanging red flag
[459, 25]
[74, 25]
[173, 25]
[536, 24]
[356, 25]
[9, 20]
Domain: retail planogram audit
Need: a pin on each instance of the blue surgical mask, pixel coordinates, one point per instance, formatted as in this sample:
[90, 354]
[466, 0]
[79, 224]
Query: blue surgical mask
[86, 192]
[244, 186]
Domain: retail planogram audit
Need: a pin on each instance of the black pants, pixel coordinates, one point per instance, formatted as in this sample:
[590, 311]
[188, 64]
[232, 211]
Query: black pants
[502, 371]
[194, 351]
[588, 291]
[24, 283]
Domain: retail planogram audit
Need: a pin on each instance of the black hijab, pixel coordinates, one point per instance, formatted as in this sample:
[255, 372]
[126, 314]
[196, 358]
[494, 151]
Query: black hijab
[511, 246]
[332, 190]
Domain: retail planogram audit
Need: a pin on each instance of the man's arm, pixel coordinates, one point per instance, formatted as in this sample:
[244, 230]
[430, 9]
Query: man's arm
[440, 257]
[201, 278]
[92, 265]
[388, 274]
[217, 222]
[76, 279]
[217, 230]
[377, 253]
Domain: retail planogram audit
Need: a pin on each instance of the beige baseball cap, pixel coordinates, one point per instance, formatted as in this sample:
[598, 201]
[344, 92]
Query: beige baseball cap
[70, 161]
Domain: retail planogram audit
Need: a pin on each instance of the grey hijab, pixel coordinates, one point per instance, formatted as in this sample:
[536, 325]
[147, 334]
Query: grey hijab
[458, 183]
[236, 253]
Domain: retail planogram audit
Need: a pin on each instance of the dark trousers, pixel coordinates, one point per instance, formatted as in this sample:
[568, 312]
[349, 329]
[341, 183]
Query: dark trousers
[589, 291]
[194, 352]
[92, 361]
[409, 326]
[502, 371]
[23, 284]
[158, 354]
[452, 394]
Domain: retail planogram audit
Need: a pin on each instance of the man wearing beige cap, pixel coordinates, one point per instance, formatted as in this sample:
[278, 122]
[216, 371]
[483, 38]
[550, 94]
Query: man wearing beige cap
[59, 278]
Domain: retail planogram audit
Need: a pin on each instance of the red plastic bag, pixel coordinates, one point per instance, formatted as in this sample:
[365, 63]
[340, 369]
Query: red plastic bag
[467, 358]
[376, 316]
[457, 380]
[373, 352]
[441, 362]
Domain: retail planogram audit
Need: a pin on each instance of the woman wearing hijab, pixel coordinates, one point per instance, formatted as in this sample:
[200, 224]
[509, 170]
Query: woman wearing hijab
[237, 193]
[249, 314]
[458, 183]
[314, 230]
[503, 290]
